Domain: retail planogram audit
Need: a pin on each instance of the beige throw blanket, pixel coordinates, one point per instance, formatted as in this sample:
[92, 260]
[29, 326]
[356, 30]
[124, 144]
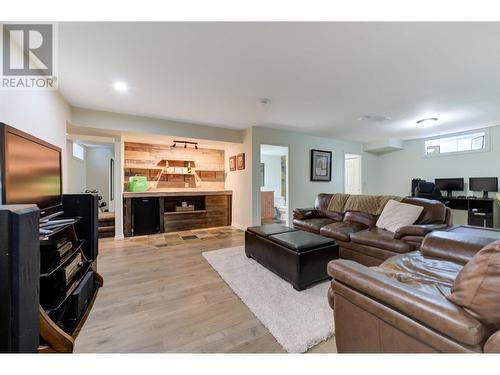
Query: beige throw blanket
[372, 204]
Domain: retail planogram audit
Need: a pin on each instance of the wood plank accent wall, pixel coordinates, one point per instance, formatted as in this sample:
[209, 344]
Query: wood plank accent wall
[208, 164]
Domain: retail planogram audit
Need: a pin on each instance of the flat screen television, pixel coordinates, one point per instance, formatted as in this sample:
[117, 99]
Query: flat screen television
[30, 171]
[484, 184]
[449, 184]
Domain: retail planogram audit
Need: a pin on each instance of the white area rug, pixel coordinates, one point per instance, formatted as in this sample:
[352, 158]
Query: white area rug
[298, 320]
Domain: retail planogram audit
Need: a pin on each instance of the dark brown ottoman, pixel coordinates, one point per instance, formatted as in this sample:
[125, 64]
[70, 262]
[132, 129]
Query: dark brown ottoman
[297, 256]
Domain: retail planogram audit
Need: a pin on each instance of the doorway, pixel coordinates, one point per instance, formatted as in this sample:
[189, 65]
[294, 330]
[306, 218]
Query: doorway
[274, 184]
[91, 169]
[352, 174]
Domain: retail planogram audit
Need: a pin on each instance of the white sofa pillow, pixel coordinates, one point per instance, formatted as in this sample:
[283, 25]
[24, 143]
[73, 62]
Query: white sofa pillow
[396, 215]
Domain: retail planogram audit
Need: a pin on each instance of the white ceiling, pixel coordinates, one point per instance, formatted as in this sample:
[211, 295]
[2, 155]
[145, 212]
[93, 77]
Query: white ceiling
[321, 77]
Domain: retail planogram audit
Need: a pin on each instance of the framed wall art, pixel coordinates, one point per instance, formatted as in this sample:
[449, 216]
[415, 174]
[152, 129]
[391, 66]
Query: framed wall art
[321, 165]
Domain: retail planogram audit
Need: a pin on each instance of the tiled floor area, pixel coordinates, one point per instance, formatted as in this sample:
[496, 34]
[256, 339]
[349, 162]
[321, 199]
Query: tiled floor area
[178, 238]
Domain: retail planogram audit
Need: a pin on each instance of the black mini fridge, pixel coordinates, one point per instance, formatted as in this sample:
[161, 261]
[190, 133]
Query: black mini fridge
[146, 216]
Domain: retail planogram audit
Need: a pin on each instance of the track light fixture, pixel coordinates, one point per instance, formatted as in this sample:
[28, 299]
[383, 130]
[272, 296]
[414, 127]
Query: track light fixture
[186, 143]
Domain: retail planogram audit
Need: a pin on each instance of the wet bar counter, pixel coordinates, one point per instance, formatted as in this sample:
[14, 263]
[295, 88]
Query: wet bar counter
[212, 208]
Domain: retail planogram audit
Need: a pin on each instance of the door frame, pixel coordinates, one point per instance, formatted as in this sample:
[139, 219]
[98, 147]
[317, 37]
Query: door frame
[287, 195]
[360, 171]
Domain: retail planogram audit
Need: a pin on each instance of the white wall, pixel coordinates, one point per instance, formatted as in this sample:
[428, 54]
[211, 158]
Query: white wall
[272, 173]
[240, 182]
[76, 177]
[42, 114]
[398, 168]
[302, 191]
[98, 171]
[142, 124]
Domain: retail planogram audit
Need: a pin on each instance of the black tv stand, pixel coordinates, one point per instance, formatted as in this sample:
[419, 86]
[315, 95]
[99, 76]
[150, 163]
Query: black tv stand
[50, 281]
[51, 216]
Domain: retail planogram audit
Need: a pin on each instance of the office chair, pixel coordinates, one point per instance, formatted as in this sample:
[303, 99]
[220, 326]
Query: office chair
[427, 190]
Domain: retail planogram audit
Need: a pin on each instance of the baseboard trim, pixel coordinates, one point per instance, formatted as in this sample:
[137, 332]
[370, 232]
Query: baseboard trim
[238, 226]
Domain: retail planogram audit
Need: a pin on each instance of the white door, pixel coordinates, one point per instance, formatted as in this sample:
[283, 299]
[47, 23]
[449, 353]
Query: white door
[352, 174]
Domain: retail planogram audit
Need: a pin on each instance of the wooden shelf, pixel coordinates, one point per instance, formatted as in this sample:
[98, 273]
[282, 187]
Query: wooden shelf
[185, 212]
[144, 166]
[209, 170]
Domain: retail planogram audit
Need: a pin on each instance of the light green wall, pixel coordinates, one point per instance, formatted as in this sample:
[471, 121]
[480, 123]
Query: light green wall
[302, 191]
[272, 173]
[396, 169]
[98, 169]
[76, 178]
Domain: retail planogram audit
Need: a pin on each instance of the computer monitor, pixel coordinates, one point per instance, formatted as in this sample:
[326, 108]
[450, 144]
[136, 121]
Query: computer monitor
[484, 184]
[449, 184]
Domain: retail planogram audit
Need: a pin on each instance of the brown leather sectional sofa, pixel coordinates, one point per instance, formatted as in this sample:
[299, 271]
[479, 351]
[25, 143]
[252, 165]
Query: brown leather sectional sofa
[358, 237]
[443, 298]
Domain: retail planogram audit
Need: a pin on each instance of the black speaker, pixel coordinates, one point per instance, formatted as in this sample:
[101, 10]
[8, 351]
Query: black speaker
[414, 184]
[86, 206]
[19, 278]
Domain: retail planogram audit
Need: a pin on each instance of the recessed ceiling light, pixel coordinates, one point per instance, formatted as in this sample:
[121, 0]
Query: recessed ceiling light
[120, 86]
[427, 121]
[375, 118]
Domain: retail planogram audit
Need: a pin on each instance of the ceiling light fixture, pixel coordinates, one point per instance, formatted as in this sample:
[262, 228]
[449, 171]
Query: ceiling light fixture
[427, 121]
[186, 143]
[375, 118]
[120, 86]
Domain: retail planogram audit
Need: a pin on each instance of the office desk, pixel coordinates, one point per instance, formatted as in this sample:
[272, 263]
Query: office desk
[482, 212]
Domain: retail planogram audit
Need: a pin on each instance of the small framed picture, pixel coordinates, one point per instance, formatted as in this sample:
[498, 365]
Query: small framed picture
[321, 165]
[232, 163]
[240, 161]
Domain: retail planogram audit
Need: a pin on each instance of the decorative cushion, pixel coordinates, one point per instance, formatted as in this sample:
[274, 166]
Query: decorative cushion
[477, 286]
[396, 215]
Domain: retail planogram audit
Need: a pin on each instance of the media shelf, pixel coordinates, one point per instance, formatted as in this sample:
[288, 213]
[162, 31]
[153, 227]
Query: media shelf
[480, 212]
[54, 265]
[69, 283]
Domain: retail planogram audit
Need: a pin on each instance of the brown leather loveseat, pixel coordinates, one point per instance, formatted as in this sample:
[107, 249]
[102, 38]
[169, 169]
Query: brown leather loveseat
[443, 298]
[351, 219]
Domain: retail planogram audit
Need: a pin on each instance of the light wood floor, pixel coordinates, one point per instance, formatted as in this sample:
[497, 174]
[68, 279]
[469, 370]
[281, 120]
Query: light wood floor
[162, 296]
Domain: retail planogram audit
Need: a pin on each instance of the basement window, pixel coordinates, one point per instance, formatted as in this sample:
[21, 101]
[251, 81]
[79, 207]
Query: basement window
[457, 144]
[78, 151]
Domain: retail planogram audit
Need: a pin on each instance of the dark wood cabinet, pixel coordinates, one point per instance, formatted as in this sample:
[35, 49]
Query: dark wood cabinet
[212, 209]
